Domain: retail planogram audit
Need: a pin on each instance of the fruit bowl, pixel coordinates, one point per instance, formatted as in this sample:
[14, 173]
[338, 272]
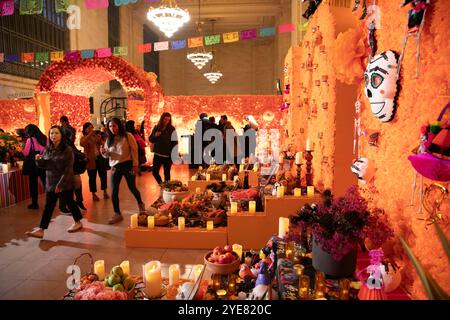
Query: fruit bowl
[170, 196]
[219, 268]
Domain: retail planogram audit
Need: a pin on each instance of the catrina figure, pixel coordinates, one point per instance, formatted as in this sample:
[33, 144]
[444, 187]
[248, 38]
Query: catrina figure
[416, 20]
[313, 5]
[364, 6]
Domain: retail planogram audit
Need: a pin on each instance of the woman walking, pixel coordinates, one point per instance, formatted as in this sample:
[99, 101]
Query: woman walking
[129, 127]
[121, 149]
[35, 144]
[57, 160]
[161, 137]
[91, 142]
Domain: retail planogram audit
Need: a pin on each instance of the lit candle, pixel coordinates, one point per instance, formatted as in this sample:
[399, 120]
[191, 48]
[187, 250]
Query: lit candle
[255, 167]
[208, 177]
[297, 192]
[308, 145]
[303, 285]
[197, 271]
[181, 223]
[134, 221]
[221, 293]
[344, 286]
[198, 190]
[99, 269]
[194, 178]
[310, 191]
[280, 192]
[125, 265]
[252, 206]
[234, 207]
[289, 254]
[299, 269]
[5, 168]
[209, 225]
[241, 168]
[238, 249]
[152, 279]
[174, 274]
[283, 227]
[150, 222]
[298, 157]
[224, 177]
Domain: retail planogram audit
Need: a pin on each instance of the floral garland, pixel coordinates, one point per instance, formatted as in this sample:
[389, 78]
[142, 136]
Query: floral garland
[10, 148]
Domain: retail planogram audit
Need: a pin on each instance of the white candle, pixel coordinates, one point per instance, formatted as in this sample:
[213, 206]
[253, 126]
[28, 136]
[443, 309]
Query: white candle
[4, 168]
[238, 249]
[181, 223]
[252, 206]
[150, 222]
[208, 177]
[255, 167]
[310, 191]
[152, 279]
[280, 192]
[298, 157]
[297, 192]
[174, 274]
[209, 225]
[99, 269]
[308, 145]
[283, 227]
[197, 271]
[224, 177]
[193, 178]
[241, 168]
[198, 190]
[234, 207]
[134, 221]
[125, 265]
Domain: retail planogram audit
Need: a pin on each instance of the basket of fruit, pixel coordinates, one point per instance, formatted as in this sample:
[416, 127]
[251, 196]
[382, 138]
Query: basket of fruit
[174, 190]
[222, 260]
[120, 281]
[90, 276]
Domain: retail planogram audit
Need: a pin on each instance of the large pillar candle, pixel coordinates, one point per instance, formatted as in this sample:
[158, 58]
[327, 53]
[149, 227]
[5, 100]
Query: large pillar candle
[152, 279]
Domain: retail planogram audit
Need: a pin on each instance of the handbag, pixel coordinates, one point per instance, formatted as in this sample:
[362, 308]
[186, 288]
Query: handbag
[29, 164]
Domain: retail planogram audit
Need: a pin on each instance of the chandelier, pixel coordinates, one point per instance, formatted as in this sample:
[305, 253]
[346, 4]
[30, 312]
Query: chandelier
[213, 75]
[200, 58]
[168, 17]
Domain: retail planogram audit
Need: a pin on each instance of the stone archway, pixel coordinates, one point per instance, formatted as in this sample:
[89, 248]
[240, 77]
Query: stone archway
[65, 88]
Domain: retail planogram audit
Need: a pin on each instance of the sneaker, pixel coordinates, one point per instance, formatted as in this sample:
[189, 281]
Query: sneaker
[142, 208]
[95, 198]
[81, 206]
[33, 206]
[36, 233]
[117, 218]
[75, 227]
[65, 211]
[105, 196]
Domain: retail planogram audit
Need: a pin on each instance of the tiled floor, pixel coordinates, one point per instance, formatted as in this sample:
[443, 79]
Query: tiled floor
[36, 269]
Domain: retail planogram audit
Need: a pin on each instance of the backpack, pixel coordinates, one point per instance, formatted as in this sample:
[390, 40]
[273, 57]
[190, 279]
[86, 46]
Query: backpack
[79, 162]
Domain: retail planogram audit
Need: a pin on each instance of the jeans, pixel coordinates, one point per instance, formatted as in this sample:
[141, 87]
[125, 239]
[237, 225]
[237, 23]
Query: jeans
[78, 190]
[157, 163]
[50, 204]
[34, 187]
[117, 172]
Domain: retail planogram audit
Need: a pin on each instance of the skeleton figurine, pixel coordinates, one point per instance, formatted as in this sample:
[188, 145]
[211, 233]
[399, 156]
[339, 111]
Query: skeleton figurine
[364, 7]
[313, 5]
[416, 20]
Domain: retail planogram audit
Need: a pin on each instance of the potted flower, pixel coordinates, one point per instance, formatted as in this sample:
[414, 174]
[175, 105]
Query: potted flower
[338, 226]
[174, 190]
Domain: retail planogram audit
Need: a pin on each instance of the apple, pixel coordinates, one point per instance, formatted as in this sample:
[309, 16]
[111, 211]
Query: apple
[215, 257]
[211, 259]
[217, 250]
[230, 257]
[228, 248]
[117, 270]
[223, 259]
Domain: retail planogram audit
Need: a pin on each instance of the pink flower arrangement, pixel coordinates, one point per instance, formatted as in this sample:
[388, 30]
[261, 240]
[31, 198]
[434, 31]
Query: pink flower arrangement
[97, 291]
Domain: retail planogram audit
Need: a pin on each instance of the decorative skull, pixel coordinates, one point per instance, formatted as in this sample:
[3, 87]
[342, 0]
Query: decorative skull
[359, 168]
[381, 84]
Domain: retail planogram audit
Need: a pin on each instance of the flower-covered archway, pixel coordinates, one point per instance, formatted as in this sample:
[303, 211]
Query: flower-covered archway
[65, 87]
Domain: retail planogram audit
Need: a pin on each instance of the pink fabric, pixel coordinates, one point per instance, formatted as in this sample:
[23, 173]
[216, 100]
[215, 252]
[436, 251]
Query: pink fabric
[140, 141]
[431, 167]
[37, 147]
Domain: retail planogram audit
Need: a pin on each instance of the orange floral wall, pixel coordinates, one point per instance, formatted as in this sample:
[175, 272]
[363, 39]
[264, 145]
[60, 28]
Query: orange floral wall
[17, 114]
[420, 101]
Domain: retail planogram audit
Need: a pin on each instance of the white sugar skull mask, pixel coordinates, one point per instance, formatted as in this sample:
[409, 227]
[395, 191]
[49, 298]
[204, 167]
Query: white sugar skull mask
[381, 85]
[359, 168]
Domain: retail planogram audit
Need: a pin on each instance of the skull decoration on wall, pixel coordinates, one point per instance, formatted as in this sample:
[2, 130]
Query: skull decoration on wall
[381, 85]
[359, 168]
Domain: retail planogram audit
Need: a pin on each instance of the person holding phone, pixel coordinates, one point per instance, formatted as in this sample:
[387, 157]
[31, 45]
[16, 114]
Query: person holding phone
[121, 149]
[57, 160]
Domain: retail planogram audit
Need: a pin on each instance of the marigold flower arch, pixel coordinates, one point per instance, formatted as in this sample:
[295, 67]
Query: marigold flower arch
[65, 88]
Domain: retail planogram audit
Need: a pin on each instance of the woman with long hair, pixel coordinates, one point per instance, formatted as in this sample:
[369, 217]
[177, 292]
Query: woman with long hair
[91, 142]
[130, 127]
[121, 149]
[36, 143]
[57, 160]
[161, 137]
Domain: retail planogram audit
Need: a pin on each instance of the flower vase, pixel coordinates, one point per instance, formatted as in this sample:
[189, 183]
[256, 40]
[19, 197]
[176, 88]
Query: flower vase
[323, 261]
